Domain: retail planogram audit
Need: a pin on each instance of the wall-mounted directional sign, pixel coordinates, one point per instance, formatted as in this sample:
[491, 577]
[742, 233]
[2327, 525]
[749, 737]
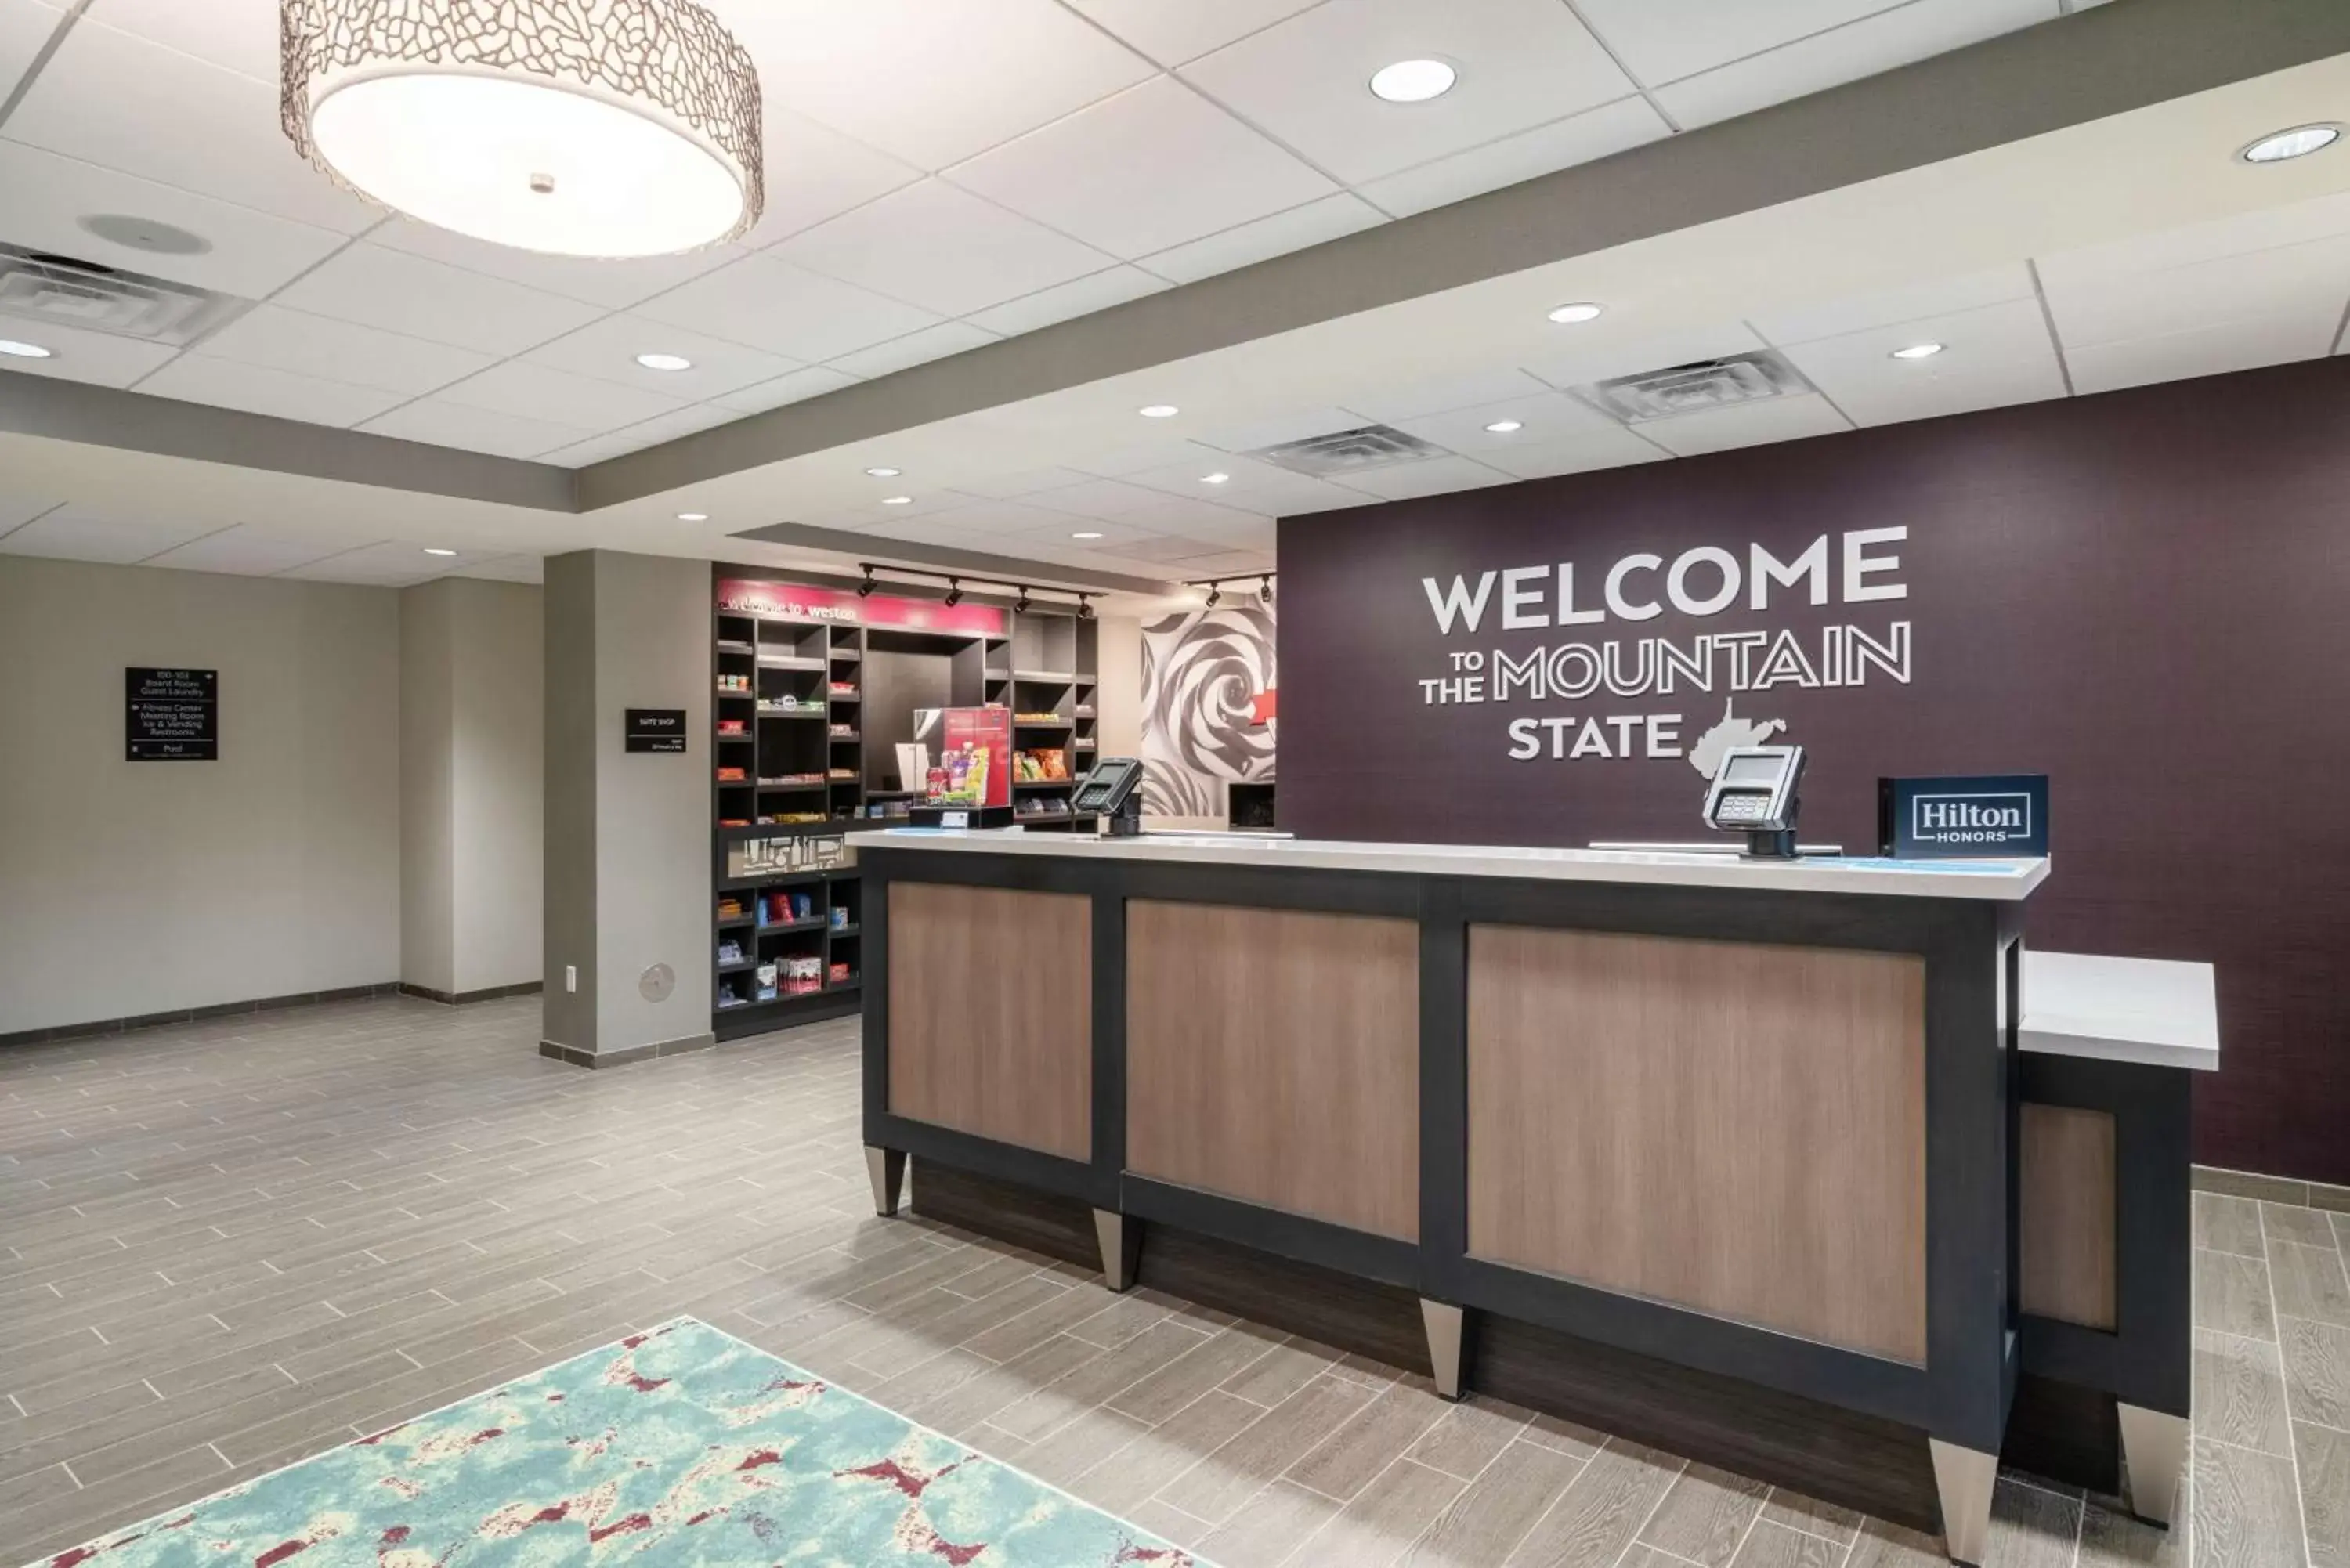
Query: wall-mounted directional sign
[172, 715]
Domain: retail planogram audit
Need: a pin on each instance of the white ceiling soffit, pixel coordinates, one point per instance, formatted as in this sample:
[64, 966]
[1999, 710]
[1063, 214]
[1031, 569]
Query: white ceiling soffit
[1923, 201]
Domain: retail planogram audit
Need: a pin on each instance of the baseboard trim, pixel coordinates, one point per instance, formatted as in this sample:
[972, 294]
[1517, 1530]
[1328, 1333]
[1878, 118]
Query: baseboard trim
[2271, 1188]
[658, 1048]
[100, 1027]
[460, 998]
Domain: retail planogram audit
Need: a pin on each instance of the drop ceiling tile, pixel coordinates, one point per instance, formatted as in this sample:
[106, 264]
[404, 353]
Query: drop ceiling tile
[1889, 306]
[1327, 497]
[100, 359]
[1663, 41]
[813, 173]
[258, 390]
[1890, 39]
[1249, 487]
[25, 26]
[654, 431]
[1061, 533]
[2311, 279]
[1430, 476]
[941, 247]
[914, 349]
[770, 303]
[1306, 81]
[1994, 356]
[1174, 34]
[1584, 138]
[924, 503]
[1012, 486]
[80, 534]
[1122, 461]
[437, 423]
[607, 350]
[187, 123]
[797, 386]
[2260, 229]
[2214, 349]
[507, 569]
[1418, 399]
[251, 254]
[1064, 302]
[240, 35]
[614, 284]
[277, 339]
[1097, 498]
[1581, 358]
[1282, 429]
[930, 82]
[1749, 424]
[1163, 552]
[925, 531]
[393, 564]
[252, 551]
[1295, 230]
[534, 391]
[19, 505]
[408, 294]
[1199, 520]
[1153, 167]
[1547, 416]
[1226, 563]
[1613, 447]
[1007, 518]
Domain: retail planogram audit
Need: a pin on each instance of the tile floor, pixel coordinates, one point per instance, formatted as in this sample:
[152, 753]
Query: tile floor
[233, 1244]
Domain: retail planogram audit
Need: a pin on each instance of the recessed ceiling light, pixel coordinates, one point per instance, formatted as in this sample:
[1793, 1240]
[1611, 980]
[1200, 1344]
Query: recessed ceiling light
[693, 516]
[144, 234]
[1505, 426]
[1570, 314]
[2285, 145]
[15, 350]
[884, 472]
[1159, 411]
[665, 361]
[1084, 535]
[1215, 479]
[1917, 351]
[436, 550]
[1413, 81]
[897, 501]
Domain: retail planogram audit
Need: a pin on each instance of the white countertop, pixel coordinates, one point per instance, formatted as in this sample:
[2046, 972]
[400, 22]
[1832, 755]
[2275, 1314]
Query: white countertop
[2003, 881]
[2152, 1011]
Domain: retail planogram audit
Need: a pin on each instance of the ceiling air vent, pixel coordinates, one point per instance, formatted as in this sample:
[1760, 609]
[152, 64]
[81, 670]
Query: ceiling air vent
[1348, 451]
[1695, 389]
[63, 292]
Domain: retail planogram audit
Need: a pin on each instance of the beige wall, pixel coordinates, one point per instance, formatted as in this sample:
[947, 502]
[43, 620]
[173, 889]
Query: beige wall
[472, 674]
[129, 888]
[1119, 694]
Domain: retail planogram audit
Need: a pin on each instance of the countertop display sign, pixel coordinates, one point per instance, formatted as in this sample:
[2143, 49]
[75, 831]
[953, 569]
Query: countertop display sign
[835, 607]
[173, 715]
[1957, 818]
[656, 729]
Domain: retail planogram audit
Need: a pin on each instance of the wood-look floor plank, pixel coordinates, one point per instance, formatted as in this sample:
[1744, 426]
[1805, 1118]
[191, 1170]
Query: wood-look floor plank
[2316, 1371]
[2231, 1295]
[2247, 1510]
[1597, 1517]
[2325, 1492]
[2238, 1392]
[2310, 1283]
[1493, 1512]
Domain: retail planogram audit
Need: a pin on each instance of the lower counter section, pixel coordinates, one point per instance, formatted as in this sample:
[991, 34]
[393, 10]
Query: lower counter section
[1755, 1174]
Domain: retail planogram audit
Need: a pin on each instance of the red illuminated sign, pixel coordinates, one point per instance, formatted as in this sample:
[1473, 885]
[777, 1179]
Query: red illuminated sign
[796, 601]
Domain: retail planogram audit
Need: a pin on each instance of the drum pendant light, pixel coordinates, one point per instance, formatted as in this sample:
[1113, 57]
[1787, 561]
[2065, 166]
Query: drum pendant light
[585, 128]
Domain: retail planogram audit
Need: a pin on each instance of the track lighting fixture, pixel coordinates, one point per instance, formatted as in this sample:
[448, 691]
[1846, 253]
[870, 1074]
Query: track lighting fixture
[954, 592]
[1215, 596]
[1085, 606]
[1020, 605]
[864, 590]
[1212, 589]
[1264, 592]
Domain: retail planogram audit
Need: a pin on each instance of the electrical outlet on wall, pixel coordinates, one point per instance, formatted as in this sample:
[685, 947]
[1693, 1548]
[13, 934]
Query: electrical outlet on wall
[571, 977]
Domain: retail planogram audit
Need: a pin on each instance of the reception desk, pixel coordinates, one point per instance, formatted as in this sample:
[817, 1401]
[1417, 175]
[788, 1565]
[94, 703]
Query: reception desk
[1771, 1125]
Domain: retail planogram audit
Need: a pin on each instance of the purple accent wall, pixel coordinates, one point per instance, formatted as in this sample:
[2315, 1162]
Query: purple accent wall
[2143, 594]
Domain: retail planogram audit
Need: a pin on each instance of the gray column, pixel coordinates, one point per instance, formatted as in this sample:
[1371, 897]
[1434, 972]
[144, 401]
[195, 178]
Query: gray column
[627, 884]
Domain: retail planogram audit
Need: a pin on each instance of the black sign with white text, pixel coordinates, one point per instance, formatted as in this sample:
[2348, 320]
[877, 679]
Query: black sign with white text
[172, 715]
[656, 729]
[1961, 818]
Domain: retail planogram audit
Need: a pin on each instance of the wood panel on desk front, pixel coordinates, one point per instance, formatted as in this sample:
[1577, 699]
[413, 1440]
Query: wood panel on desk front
[991, 1013]
[1731, 1126]
[2064, 1214]
[1273, 1056]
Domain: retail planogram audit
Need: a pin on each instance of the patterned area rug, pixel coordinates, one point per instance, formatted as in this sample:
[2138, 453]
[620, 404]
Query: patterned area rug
[682, 1445]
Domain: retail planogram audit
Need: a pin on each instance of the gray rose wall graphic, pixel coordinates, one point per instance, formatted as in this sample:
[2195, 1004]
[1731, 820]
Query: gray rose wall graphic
[1207, 707]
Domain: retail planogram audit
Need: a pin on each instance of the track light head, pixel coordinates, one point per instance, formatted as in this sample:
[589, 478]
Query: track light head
[954, 592]
[1085, 607]
[864, 590]
[1215, 595]
[1264, 592]
[1020, 605]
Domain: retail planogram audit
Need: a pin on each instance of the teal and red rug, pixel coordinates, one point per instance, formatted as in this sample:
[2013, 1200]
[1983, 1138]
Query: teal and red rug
[680, 1446]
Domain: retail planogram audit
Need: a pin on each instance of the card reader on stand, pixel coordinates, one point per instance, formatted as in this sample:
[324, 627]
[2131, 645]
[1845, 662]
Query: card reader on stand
[1113, 791]
[1754, 793]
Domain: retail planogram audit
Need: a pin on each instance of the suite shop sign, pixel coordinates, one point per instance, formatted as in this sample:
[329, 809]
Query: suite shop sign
[1606, 661]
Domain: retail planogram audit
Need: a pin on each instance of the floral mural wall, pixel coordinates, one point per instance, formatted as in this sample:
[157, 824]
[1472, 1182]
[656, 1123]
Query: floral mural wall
[1207, 707]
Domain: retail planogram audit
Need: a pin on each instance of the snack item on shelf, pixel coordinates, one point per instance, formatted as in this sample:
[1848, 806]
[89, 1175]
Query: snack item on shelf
[766, 975]
[840, 975]
[730, 775]
[1036, 718]
[733, 684]
[730, 908]
[730, 952]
